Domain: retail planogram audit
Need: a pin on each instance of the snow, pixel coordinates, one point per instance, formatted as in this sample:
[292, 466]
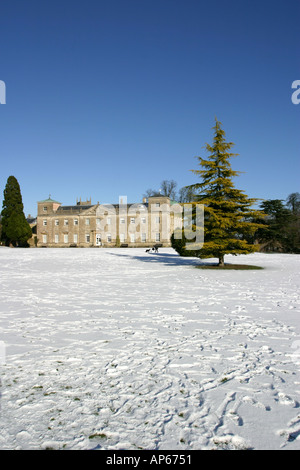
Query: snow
[121, 349]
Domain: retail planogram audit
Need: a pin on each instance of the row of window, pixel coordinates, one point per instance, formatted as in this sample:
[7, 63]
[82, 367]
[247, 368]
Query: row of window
[98, 221]
[108, 238]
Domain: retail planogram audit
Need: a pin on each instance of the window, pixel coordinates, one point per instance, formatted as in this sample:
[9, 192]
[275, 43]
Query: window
[56, 238]
[122, 237]
[66, 238]
[87, 238]
[157, 219]
[157, 204]
[98, 221]
[122, 220]
[132, 220]
[66, 222]
[157, 237]
[75, 221]
[56, 222]
[132, 237]
[109, 237]
[45, 209]
[108, 220]
[143, 220]
[75, 238]
[44, 238]
[87, 221]
[44, 222]
[143, 237]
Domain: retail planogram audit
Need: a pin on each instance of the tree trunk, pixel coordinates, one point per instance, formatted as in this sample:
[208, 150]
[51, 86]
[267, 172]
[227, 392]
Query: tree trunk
[221, 260]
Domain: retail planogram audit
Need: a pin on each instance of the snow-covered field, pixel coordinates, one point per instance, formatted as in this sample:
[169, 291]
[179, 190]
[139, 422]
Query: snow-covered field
[121, 349]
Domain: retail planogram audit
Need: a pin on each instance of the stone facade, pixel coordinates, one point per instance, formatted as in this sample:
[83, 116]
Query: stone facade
[107, 225]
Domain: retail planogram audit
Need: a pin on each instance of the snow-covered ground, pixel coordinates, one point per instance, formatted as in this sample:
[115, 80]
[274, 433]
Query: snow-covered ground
[121, 349]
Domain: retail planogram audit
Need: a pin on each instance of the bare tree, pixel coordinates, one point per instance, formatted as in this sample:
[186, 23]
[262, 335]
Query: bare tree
[186, 194]
[293, 202]
[167, 188]
[151, 193]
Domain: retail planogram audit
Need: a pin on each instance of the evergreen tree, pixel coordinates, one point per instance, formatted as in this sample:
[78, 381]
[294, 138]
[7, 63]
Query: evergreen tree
[293, 234]
[273, 235]
[15, 228]
[293, 202]
[281, 231]
[228, 217]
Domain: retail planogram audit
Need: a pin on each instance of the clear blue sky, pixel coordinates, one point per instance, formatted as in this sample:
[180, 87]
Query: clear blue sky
[109, 98]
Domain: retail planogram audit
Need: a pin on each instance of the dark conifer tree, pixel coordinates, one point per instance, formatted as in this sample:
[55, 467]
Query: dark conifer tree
[15, 228]
[281, 230]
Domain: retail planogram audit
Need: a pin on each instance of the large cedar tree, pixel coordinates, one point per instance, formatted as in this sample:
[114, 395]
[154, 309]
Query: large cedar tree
[228, 213]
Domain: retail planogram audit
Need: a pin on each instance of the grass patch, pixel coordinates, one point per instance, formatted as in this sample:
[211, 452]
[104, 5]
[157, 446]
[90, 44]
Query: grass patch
[244, 267]
[98, 436]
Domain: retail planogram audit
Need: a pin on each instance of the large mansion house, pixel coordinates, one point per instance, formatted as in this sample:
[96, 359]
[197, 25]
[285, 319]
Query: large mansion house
[149, 223]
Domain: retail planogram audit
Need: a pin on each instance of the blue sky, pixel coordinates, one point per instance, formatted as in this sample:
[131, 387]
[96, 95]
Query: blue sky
[109, 98]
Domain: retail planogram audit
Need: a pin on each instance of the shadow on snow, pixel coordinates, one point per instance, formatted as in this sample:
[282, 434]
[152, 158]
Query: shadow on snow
[168, 259]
